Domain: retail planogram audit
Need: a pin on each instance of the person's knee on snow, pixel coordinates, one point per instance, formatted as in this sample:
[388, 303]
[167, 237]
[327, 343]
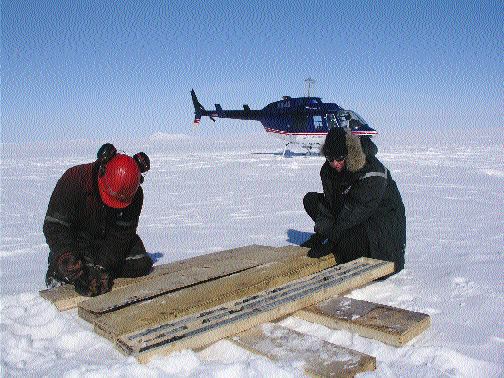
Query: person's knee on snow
[311, 202]
[138, 262]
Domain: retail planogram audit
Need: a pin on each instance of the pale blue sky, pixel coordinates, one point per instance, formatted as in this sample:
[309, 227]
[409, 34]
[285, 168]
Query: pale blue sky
[112, 69]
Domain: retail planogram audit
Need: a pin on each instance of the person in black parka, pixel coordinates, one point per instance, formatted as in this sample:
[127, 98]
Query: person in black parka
[360, 213]
[91, 222]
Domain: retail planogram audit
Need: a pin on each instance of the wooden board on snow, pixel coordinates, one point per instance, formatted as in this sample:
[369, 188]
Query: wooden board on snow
[207, 269]
[391, 325]
[315, 356]
[203, 296]
[206, 266]
[200, 329]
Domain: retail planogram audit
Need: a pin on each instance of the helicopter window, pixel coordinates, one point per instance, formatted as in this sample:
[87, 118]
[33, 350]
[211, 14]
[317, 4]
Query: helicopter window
[284, 104]
[349, 118]
[358, 117]
[312, 104]
[331, 121]
[317, 122]
[343, 117]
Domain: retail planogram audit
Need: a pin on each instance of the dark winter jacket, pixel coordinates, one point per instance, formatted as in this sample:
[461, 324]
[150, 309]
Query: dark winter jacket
[364, 192]
[77, 221]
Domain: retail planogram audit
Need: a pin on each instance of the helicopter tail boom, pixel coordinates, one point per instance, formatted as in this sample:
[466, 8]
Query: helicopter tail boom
[245, 114]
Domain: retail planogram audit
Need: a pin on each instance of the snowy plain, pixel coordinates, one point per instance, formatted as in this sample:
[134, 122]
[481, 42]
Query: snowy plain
[206, 193]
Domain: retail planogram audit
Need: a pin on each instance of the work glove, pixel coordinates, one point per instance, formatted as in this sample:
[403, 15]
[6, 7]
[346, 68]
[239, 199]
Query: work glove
[69, 267]
[321, 250]
[313, 241]
[95, 281]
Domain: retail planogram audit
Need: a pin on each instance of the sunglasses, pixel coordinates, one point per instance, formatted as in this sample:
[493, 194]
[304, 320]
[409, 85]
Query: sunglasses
[335, 158]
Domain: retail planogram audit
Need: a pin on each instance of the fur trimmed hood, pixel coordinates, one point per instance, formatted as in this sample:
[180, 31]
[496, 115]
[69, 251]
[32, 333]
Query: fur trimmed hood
[357, 150]
[356, 158]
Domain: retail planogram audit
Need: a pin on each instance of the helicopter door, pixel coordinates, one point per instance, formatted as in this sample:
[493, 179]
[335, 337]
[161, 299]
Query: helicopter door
[300, 123]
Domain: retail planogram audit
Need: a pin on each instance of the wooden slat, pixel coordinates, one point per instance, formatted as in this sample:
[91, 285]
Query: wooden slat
[317, 357]
[391, 325]
[65, 297]
[206, 269]
[205, 295]
[200, 329]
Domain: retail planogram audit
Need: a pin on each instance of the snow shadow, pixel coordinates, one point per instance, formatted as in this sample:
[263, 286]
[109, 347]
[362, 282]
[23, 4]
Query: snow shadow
[155, 256]
[297, 237]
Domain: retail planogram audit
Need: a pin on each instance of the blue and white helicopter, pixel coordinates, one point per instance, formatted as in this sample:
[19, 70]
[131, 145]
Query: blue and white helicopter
[302, 120]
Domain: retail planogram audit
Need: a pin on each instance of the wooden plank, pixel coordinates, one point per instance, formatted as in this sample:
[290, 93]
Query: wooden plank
[200, 329]
[220, 265]
[65, 298]
[317, 357]
[391, 325]
[203, 296]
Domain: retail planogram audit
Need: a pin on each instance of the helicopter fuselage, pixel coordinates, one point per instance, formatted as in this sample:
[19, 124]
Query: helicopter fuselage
[301, 120]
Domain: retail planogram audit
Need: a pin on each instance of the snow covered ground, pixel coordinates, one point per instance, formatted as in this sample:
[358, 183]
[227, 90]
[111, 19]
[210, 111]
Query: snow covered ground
[205, 194]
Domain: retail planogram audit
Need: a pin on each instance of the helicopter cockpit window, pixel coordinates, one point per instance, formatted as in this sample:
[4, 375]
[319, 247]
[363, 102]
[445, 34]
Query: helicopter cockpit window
[349, 118]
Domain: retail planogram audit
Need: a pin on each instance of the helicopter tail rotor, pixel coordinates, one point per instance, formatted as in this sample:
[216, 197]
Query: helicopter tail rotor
[199, 110]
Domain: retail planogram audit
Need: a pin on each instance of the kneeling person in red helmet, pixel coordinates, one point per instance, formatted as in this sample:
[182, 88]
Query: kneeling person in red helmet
[91, 223]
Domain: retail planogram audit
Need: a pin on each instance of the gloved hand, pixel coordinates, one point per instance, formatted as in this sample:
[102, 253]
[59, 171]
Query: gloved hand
[95, 281]
[69, 267]
[321, 250]
[313, 241]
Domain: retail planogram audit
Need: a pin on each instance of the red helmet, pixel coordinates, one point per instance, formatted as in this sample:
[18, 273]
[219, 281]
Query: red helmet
[119, 181]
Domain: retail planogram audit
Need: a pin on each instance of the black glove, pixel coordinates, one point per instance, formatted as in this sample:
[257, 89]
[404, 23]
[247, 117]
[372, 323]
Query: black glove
[321, 250]
[313, 241]
[69, 267]
[95, 281]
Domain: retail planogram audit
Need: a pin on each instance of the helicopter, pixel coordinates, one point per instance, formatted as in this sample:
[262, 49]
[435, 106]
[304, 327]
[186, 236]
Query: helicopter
[301, 120]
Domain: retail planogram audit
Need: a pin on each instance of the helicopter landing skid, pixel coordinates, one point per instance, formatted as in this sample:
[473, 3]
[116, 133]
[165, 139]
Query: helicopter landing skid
[307, 147]
[285, 149]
